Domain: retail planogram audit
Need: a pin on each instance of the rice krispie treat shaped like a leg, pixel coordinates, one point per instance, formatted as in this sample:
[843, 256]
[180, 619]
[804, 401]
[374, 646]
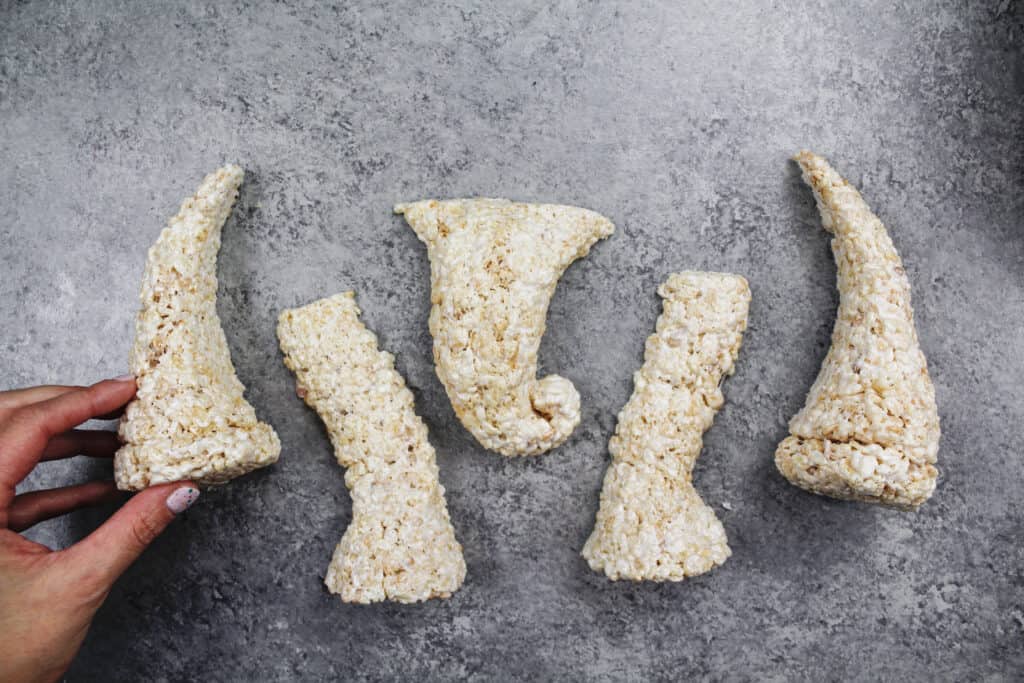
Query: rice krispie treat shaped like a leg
[400, 545]
[494, 265]
[869, 430]
[189, 419]
[652, 524]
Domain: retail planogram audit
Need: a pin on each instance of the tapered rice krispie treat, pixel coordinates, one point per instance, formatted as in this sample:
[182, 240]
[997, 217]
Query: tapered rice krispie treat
[400, 545]
[494, 265]
[189, 419]
[870, 428]
[652, 524]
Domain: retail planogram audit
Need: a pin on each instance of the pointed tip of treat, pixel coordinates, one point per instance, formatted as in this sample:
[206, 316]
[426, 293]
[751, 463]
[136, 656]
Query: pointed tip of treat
[807, 159]
[226, 179]
[232, 173]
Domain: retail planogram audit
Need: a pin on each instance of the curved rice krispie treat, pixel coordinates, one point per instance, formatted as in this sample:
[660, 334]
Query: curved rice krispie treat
[189, 419]
[494, 265]
[400, 545]
[870, 428]
[652, 524]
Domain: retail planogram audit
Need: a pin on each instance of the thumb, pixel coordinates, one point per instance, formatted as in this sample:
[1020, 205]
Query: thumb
[107, 552]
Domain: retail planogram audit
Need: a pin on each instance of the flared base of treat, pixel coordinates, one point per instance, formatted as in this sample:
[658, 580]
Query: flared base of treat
[868, 473]
[653, 528]
[407, 574]
[400, 545]
[210, 461]
[400, 588]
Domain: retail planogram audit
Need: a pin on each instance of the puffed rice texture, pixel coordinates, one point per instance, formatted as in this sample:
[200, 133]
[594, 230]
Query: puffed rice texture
[869, 430]
[494, 265]
[400, 545]
[190, 419]
[652, 524]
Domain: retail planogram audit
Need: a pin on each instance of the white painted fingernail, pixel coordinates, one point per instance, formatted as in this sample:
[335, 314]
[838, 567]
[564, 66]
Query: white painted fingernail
[125, 378]
[182, 499]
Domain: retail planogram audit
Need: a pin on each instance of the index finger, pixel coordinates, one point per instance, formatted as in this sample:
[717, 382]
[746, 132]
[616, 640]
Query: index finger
[13, 399]
[68, 410]
[16, 398]
[24, 435]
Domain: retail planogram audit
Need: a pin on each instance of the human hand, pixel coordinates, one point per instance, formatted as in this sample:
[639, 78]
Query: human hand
[48, 598]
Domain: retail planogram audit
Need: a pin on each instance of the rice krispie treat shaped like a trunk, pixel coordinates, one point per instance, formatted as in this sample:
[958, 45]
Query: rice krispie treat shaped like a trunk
[652, 524]
[869, 430]
[189, 419]
[400, 545]
[494, 265]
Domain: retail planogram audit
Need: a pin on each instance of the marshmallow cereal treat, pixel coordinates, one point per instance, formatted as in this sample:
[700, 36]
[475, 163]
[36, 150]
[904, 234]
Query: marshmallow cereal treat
[869, 430]
[652, 524]
[189, 419]
[400, 545]
[494, 265]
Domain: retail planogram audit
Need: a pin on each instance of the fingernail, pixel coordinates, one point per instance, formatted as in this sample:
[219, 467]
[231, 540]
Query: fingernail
[182, 499]
[125, 378]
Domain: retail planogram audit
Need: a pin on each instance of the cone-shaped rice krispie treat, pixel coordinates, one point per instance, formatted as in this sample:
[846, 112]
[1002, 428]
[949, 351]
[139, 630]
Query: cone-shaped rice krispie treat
[652, 524]
[400, 545]
[870, 428]
[189, 419]
[494, 265]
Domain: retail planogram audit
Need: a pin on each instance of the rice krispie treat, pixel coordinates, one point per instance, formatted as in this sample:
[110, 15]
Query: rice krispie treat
[652, 524]
[400, 545]
[870, 428]
[189, 419]
[494, 265]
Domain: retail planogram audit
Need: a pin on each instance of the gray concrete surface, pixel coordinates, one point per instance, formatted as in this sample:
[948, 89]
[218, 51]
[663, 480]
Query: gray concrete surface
[673, 119]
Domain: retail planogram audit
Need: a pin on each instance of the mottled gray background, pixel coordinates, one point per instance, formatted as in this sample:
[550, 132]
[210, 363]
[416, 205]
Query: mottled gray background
[676, 121]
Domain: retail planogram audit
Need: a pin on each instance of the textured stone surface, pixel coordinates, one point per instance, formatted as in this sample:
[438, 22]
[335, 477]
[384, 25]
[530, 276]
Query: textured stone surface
[674, 122]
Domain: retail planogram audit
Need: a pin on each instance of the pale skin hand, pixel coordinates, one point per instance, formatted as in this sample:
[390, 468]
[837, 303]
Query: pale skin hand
[48, 598]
